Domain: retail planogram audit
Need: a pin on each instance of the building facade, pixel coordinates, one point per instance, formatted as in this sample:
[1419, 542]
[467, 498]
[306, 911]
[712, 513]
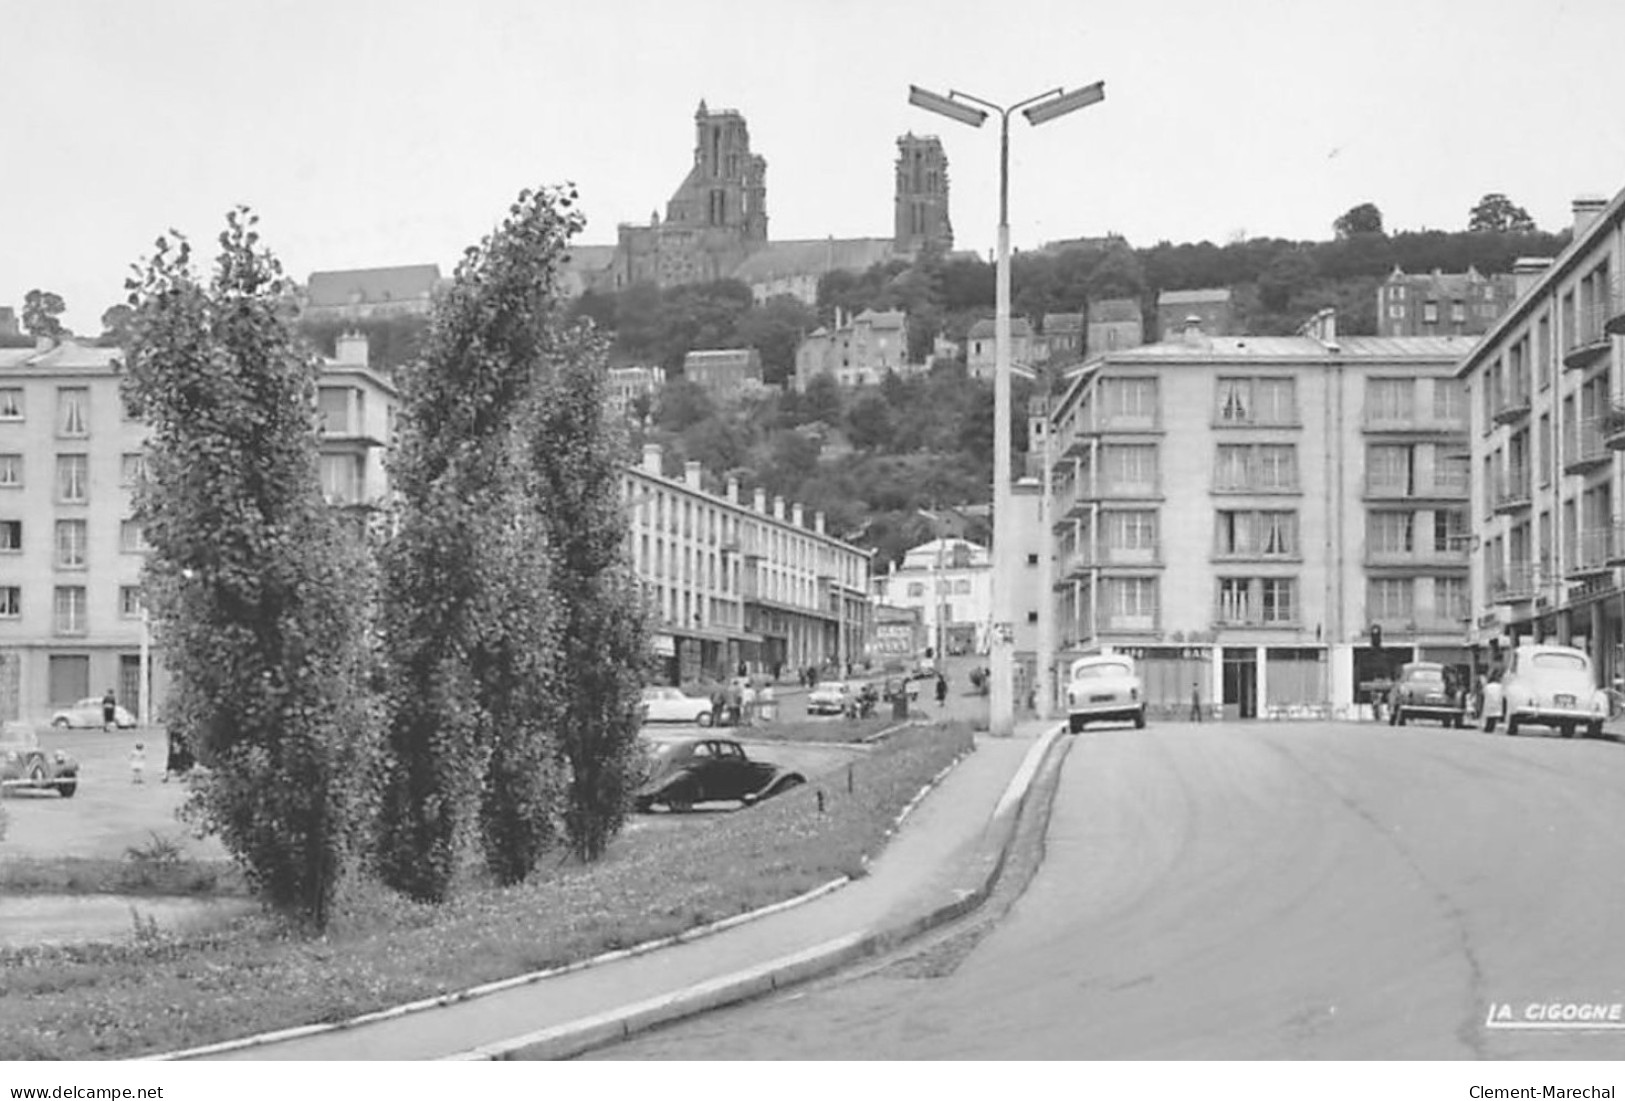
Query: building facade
[856, 352]
[1212, 307]
[1439, 304]
[734, 583]
[1114, 323]
[1546, 388]
[725, 373]
[628, 384]
[948, 582]
[1238, 512]
[920, 209]
[365, 294]
[981, 348]
[71, 618]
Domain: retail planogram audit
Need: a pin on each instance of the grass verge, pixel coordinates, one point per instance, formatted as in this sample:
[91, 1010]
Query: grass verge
[161, 992]
[813, 730]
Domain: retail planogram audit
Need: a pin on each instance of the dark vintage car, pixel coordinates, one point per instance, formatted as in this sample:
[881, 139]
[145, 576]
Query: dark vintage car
[1427, 690]
[23, 764]
[705, 770]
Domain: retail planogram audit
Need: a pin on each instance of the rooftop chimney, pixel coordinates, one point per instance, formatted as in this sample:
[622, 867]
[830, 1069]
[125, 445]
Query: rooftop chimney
[1527, 270]
[778, 508]
[1323, 327]
[733, 490]
[351, 349]
[691, 474]
[797, 514]
[818, 521]
[652, 455]
[1192, 333]
[1586, 209]
[760, 501]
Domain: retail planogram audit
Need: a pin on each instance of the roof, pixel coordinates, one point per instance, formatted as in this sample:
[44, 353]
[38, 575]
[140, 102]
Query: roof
[1115, 309]
[1443, 284]
[68, 355]
[1186, 298]
[784, 259]
[1019, 326]
[1444, 348]
[1063, 322]
[340, 288]
[882, 319]
[719, 355]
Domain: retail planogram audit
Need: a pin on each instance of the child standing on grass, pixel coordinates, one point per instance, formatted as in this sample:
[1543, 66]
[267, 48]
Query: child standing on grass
[138, 763]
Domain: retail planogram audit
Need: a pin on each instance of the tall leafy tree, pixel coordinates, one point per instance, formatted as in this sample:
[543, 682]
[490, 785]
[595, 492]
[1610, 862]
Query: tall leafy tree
[468, 603]
[1364, 218]
[1495, 213]
[259, 596]
[42, 314]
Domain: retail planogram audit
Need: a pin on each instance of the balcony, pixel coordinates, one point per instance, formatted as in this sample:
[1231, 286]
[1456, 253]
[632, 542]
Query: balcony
[1589, 340]
[1510, 406]
[1441, 488]
[1090, 556]
[1614, 319]
[1421, 560]
[1094, 421]
[1592, 554]
[1615, 550]
[1106, 489]
[1612, 425]
[1123, 623]
[1512, 490]
[1586, 447]
[1376, 423]
[1513, 586]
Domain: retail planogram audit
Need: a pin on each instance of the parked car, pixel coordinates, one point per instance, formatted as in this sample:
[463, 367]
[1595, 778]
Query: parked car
[1104, 687]
[1550, 686]
[23, 764]
[831, 697]
[665, 704]
[1427, 690]
[705, 770]
[88, 713]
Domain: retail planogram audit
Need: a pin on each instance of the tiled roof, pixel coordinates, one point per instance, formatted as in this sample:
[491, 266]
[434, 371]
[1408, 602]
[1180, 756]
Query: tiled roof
[68, 355]
[1187, 298]
[1115, 309]
[1019, 326]
[1063, 322]
[404, 284]
[882, 319]
[1300, 347]
[784, 259]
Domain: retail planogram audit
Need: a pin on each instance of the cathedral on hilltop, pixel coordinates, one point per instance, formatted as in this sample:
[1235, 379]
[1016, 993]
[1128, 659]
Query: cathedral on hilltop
[715, 226]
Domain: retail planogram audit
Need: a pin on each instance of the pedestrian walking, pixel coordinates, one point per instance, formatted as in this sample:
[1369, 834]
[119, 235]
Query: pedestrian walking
[138, 764]
[109, 711]
[942, 690]
[1196, 702]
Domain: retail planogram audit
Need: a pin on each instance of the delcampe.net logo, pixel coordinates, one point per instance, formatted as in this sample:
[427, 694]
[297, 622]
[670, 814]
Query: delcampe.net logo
[1556, 1016]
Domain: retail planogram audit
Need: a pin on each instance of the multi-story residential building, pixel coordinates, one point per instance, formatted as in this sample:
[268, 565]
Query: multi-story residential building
[1455, 304]
[1212, 307]
[628, 384]
[981, 348]
[725, 373]
[1239, 511]
[856, 352]
[1548, 423]
[735, 583]
[1061, 341]
[71, 617]
[1114, 323]
[949, 582]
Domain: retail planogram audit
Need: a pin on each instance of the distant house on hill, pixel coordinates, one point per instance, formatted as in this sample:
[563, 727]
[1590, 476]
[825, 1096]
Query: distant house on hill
[1061, 341]
[1114, 323]
[981, 352]
[858, 352]
[725, 373]
[366, 293]
[795, 267]
[1212, 307]
[1442, 304]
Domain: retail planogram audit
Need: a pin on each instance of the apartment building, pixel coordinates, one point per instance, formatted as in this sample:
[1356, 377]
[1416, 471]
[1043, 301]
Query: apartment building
[1547, 425]
[732, 582]
[1238, 512]
[1456, 303]
[71, 618]
[858, 351]
[949, 583]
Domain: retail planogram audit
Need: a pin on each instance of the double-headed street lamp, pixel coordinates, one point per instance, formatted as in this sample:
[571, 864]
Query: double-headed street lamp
[968, 109]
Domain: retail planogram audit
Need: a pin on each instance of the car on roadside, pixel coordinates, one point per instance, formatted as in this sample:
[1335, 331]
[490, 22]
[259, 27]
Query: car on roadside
[1550, 686]
[663, 703]
[1104, 687]
[707, 770]
[24, 764]
[831, 697]
[87, 714]
[1427, 690]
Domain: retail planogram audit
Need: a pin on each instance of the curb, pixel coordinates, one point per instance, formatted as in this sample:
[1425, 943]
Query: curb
[455, 997]
[577, 1037]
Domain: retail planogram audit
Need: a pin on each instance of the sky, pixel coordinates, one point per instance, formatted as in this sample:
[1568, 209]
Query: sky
[369, 133]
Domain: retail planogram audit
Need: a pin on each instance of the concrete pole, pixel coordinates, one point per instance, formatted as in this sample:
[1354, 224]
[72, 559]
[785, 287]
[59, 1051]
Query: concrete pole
[1001, 693]
[1046, 579]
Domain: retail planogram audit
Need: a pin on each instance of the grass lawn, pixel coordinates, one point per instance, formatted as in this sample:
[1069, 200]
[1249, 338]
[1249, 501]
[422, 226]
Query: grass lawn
[161, 992]
[819, 729]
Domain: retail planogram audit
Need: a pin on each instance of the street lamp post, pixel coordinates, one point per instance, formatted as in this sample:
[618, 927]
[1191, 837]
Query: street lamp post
[1039, 109]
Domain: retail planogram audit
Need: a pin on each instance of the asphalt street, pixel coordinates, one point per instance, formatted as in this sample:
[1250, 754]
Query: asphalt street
[1259, 891]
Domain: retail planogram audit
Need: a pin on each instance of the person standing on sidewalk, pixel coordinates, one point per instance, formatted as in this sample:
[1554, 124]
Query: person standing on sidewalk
[942, 690]
[109, 711]
[1196, 701]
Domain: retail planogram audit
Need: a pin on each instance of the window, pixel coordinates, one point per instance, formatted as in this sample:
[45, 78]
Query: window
[1388, 469]
[1389, 598]
[69, 677]
[72, 411]
[129, 538]
[1131, 468]
[1391, 532]
[342, 479]
[1278, 533]
[1430, 312]
[1450, 532]
[1458, 311]
[1277, 401]
[70, 610]
[11, 470]
[1131, 530]
[132, 468]
[333, 404]
[70, 544]
[129, 601]
[72, 479]
[1231, 471]
[1277, 467]
[1235, 599]
[11, 403]
[962, 587]
[1450, 601]
[916, 588]
[1132, 601]
[11, 602]
[11, 535]
[1390, 399]
[1449, 401]
[1235, 401]
[1278, 604]
[1131, 398]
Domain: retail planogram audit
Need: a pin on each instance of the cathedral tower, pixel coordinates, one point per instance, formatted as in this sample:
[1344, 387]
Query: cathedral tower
[921, 207]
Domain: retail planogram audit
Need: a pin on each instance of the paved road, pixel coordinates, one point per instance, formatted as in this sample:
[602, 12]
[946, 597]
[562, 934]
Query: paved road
[1261, 891]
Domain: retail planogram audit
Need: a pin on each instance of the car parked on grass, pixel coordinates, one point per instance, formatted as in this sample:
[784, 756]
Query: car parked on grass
[706, 770]
[1550, 686]
[24, 764]
[1104, 687]
[87, 714]
[665, 704]
[1427, 690]
[831, 697]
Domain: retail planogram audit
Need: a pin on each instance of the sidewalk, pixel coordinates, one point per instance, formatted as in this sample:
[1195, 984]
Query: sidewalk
[941, 861]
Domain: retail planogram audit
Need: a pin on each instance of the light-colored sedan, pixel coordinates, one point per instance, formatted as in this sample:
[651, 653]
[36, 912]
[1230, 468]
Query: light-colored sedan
[88, 713]
[1104, 687]
[830, 697]
[1550, 686]
[665, 704]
